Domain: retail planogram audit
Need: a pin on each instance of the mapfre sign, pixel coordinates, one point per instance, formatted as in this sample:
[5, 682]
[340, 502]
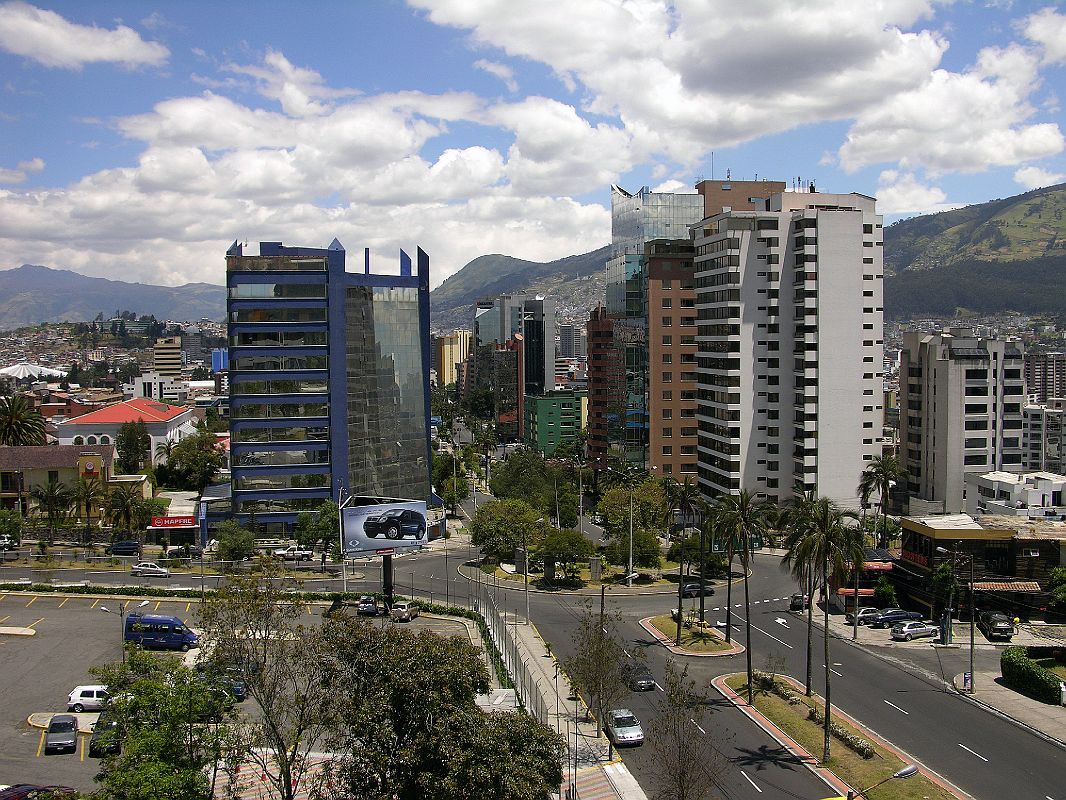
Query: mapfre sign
[174, 522]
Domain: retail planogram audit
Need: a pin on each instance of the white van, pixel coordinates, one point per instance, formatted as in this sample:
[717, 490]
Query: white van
[87, 698]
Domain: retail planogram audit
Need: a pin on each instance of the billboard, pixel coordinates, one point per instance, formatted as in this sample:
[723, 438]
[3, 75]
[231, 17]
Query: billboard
[385, 527]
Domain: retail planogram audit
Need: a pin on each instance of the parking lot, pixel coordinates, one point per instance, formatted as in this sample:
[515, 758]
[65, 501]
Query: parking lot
[38, 672]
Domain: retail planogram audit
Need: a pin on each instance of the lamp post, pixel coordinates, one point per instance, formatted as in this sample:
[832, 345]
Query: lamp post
[906, 772]
[954, 554]
[122, 620]
[525, 567]
[340, 534]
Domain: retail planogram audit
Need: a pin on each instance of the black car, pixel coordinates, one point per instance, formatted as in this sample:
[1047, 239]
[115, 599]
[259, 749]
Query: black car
[107, 738]
[395, 523]
[639, 677]
[890, 616]
[995, 625]
[693, 590]
[798, 602]
[126, 548]
[229, 680]
[185, 551]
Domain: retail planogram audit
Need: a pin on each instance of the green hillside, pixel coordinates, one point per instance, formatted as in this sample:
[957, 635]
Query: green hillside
[1020, 228]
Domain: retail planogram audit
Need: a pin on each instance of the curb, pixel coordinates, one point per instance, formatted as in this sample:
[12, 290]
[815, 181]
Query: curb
[810, 761]
[16, 631]
[668, 643]
[86, 719]
[956, 683]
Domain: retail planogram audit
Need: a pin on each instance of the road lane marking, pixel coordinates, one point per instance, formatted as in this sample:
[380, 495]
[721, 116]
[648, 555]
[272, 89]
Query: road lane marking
[34, 623]
[32, 601]
[890, 703]
[187, 606]
[83, 738]
[157, 602]
[781, 622]
[40, 744]
[97, 600]
[760, 630]
[968, 750]
[5, 619]
[64, 602]
[839, 674]
[754, 785]
[701, 730]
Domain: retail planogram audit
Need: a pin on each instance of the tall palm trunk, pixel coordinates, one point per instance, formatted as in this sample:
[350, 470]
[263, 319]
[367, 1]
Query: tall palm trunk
[744, 557]
[729, 596]
[809, 588]
[825, 637]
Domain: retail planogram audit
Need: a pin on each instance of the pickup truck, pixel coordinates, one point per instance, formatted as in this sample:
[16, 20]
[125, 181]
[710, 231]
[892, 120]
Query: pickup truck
[294, 553]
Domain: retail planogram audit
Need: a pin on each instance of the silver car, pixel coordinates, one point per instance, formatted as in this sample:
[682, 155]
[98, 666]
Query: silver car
[905, 631]
[624, 728]
[404, 611]
[62, 734]
[150, 568]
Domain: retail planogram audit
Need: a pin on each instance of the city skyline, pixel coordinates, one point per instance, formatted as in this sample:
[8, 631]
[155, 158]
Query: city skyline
[139, 139]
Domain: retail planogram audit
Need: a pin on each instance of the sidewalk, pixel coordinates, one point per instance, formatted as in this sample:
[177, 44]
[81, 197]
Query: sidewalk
[1043, 718]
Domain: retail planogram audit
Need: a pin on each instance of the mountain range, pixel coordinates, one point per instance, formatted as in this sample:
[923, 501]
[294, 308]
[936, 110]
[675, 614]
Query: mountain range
[1004, 255]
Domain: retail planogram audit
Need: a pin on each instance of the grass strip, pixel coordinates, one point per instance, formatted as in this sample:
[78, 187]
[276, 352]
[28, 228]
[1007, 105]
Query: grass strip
[692, 639]
[845, 763]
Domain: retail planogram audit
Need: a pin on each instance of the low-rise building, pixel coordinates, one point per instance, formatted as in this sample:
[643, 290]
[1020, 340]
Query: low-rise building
[554, 418]
[1014, 494]
[22, 469]
[163, 422]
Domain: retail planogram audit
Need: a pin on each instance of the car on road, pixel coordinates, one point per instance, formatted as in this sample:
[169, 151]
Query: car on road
[693, 590]
[367, 606]
[129, 547]
[866, 614]
[996, 625]
[8, 543]
[890, 616]
[404, 611]
[149, 569]
[798, 602]
[61, 735]
[294, 553]
[639, 677]
[87, 698]
[107, 737]
[914, 629]
[623, 727]
[395, 523]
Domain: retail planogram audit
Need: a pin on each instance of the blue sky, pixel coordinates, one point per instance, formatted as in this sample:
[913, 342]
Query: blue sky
[137, 139]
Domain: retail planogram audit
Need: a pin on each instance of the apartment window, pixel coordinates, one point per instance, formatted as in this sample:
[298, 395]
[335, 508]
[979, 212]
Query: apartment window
[668, 322]
[668, 433]
[668, 358]
[668, 394]
[668, 377]
[668, 302]
[667, 341]
[689, 432]
[667, 283]
[668, 449]
[668, 413]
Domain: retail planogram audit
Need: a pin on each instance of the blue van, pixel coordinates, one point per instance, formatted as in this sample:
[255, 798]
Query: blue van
[157, 631]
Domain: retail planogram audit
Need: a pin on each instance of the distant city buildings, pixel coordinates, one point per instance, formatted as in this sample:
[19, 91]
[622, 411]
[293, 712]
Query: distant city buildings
[449, 352]
[1045, 375]
[168, 359]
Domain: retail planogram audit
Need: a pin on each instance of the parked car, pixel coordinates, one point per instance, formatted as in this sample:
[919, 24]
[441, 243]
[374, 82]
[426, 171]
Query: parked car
[905, 631]
[367, 606]
[107, 737]
[125, 548]
[639, 677]
[61, 735]
[8, 543]
[624, 728]
[32, 791]
[87, 698]
[294, 553]
[157, 630]
[231, 680]
[798, 602]
[404, 611]
[149, 569]
[890, 616]
[185, 551]
[693, 590]
[866, 614]
[395, 523]
[996, 625]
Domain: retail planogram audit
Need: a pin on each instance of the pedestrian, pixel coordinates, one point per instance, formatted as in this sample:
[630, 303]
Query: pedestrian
[323, 559]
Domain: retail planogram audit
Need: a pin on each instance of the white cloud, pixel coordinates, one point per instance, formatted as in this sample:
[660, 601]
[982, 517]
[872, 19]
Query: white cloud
[963, 122]
[501, 71]
[902, 193]
[18, 175]
[297, 89]
[675, 187]
[51, 40]
[1035, 177]
[1047, 27]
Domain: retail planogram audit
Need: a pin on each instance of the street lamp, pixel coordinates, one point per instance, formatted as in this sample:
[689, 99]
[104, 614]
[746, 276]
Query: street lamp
[525, 570]
[340, 534]
[954, 554]
[906, 772]
[121, 620]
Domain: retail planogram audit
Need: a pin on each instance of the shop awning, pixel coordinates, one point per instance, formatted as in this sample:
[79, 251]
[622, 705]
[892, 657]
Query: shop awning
[843, 592]
[1031, 587]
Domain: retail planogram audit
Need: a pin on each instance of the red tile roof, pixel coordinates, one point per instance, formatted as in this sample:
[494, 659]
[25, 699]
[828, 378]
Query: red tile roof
[131, 411]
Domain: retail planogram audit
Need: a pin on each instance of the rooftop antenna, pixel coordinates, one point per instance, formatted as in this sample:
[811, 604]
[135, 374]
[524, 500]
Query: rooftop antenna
[712, 165]
[727, 172]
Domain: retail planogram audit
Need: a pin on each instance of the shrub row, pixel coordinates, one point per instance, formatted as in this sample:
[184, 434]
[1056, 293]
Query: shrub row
[767, 682]
[1024, 675]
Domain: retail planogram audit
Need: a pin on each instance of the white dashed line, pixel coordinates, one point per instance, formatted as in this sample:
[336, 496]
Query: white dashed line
[887, 702]
[968, 750]
[754, 785]
[701, 730]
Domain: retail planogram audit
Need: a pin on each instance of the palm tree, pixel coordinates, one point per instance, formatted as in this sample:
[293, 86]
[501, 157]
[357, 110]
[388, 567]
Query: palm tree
[742, 517]
[880, 475]
[88, 494]
[54, 500]
[827, 546]
[164, 449]
[20, 423]
[685, 497]
[122, 503]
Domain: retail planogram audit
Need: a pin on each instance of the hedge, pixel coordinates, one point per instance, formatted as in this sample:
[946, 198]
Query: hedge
[1025, 676]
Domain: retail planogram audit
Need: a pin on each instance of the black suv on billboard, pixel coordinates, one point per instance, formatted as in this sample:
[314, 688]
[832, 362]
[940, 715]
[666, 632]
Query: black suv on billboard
[395, 523]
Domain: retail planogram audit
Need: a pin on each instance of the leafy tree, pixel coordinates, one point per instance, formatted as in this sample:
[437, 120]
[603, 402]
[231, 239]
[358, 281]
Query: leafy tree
[885, 593]
[195, 461]
[54, 501]
[11, 525]
[943, 584]
[566, 547]
[686, 766]
[500, 526]
[1056, 585]
[524, 476]
[689, 550]
[20, 423]
[826, 544]
[313, 527]
[234, 542]
[646, 550]
[651, 509]
[168, 750]
[133, 444]
[597, 666]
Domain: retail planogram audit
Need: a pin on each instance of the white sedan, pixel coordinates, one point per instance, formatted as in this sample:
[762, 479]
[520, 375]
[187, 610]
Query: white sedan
[150, 568]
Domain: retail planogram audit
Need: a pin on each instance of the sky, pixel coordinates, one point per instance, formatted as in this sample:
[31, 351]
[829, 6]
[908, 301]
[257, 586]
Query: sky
[138, 140]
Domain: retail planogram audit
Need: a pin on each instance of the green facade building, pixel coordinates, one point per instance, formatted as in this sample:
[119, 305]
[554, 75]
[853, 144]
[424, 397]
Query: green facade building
[554, 418]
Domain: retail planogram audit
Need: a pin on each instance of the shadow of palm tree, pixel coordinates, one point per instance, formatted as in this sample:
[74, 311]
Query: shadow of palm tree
[766, 756]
